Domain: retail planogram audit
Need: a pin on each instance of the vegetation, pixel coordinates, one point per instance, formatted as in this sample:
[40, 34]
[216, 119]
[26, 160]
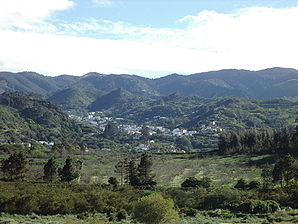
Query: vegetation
[154, 209]
[264, 84]
[252, 175]
[253, 141]
[14, 167]
[32, 118]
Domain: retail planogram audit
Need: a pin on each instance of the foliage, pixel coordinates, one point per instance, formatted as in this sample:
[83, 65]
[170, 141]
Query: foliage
[253, 141]
[285, 170]
[113, 181]
[70, 170]
[121, 168]
[241, 184]
[145, 175]
[155, 209]
[50, 170]
[111, 131]
[259, 206]
[33, 118]
[15, 166]
[183, 143]
[204, 182]
[190, 182]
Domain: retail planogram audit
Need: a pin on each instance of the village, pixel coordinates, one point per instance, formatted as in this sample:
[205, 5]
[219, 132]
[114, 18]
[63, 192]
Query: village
[100, 121]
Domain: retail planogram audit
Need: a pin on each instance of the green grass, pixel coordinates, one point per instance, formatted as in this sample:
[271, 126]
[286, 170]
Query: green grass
[223, 170]
[222, 216]
[170, 170]
[52, 219]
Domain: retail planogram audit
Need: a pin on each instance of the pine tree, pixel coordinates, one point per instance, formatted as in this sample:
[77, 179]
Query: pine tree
[235, 142]
[15, 166]
[50, 170]
[145, 171]
[133, 177]
[285, 170]
[122, 169]
[70, 171]
[267, 175]
[223, 143]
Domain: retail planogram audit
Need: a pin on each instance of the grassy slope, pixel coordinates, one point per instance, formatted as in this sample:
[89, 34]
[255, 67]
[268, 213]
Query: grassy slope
[172, 170]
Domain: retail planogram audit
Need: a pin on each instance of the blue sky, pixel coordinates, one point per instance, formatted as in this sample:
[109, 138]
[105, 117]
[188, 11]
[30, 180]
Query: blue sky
[158, 13]
[148, 38]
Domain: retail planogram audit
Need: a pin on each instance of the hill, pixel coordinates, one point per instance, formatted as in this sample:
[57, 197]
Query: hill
[25, 117]
[31, 82]
[74, 98]
[263, 84]
[194, 112]
[116, 99]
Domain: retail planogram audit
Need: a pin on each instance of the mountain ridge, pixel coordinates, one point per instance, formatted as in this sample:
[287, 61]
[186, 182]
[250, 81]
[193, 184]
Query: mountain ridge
[263, 84]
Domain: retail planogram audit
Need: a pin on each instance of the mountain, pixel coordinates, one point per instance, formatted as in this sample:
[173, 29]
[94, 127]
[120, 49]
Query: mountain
[24, 117]
[31, 82]
[134, 84]
[75, 98]
[116, 99]
[263, 84]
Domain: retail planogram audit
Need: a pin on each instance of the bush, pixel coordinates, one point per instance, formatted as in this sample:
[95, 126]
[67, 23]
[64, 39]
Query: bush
[121, 215]
[259, 206]
[241, 184]
[189, 212]
[155, 209]
[254, 185]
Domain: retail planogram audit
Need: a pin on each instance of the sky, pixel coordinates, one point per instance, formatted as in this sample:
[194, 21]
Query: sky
[150, 38]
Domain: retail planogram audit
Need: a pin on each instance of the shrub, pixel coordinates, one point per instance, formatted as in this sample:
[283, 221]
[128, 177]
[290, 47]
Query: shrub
[191, 182]
[189, 212]
[259, 206]
[121, 215]
[155, 209]
[254, 185]
[241, 184]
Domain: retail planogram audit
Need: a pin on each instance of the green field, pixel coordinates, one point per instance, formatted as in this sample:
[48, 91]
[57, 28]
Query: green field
[170, 170]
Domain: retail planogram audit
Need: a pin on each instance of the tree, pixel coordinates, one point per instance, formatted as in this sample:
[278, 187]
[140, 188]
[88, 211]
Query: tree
[254, 184]
[204, 182]
[154, 209]
[111, 131]
[285, 170]
[122, 169]
[133, 177]
[235, 142]
[50, 170]
[241, 184]
[183, 143]
[113, 181]
[145, 171]
[267, 175]
[190, 182]
[145, 133]
[70, 170]
[15, 166]
[223, 143]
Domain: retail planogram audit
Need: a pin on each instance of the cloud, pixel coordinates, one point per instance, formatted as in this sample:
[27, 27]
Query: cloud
[17, 14]
[103, 3]
[251, 38]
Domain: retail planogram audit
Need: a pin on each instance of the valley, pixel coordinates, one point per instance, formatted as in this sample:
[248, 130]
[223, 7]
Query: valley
[100, 150]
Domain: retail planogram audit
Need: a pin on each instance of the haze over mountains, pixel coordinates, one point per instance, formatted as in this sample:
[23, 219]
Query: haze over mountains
[263, 84]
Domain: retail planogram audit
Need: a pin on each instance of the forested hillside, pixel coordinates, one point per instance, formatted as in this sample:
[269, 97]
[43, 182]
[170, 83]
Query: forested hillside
[263, 84]
[25, 117]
